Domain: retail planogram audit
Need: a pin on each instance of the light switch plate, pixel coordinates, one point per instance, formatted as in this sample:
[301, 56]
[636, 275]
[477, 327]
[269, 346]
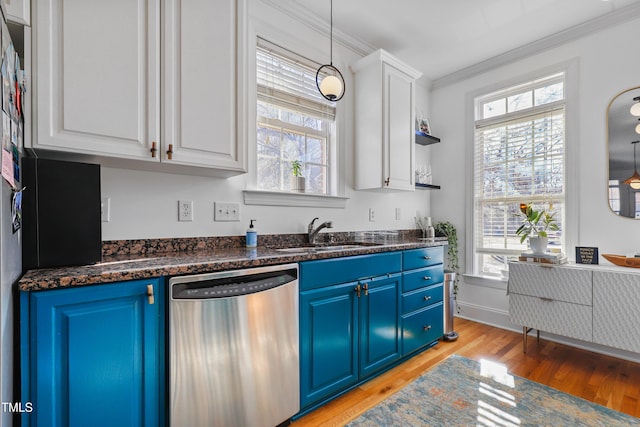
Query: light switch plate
[226, 211]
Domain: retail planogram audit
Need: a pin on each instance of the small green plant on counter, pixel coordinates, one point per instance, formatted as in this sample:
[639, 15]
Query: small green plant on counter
[448, 230]
[297, 167]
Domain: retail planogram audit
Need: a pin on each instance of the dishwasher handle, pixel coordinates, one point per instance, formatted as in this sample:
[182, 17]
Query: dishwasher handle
[233, 286]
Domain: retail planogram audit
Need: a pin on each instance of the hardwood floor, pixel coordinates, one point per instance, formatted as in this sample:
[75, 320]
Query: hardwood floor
[611, 382]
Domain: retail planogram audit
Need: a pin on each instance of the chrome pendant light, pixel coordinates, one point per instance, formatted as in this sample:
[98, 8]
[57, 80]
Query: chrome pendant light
[634, 180]
[332, 86]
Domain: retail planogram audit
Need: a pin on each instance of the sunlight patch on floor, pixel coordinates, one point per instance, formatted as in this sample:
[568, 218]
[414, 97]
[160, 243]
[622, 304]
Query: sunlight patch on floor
[488, 414]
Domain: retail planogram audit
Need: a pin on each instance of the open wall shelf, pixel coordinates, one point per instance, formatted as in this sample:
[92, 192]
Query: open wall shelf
[425, 139]
[427, 186]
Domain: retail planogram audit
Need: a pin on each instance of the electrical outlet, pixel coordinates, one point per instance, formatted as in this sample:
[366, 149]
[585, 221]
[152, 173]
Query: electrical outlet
[226, 211]
[372, 215]
[185, 210]
[398, 211]
[105, 209]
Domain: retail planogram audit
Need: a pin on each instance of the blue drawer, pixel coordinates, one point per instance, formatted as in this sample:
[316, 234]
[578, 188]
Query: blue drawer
[422, 328]
[423, 257]
[421, 298]
[424, 277]
[333, 271]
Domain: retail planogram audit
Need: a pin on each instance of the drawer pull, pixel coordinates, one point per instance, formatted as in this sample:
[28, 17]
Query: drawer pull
[426, 328]
[546, 299]
[427, 277]
[427, 257]
[427, 298]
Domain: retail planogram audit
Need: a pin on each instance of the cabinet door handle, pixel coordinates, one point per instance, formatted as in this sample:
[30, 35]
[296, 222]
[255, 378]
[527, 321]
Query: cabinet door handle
[366, 289]
[153, 149]
[426, 328]
[427, 298]
[357, 289]
[150, 297]
[427, 257]
[170, 152]
[427, 277]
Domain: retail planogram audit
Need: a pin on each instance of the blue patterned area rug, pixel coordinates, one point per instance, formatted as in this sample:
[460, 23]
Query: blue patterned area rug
[463, 392]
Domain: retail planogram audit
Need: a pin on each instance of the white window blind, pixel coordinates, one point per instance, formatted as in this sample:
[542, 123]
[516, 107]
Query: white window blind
[294, 122]
[519, 157]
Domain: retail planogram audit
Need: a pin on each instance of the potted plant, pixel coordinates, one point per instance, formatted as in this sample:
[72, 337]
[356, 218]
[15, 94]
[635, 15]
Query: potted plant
[535, 227]
[297, 180]
[448, 230]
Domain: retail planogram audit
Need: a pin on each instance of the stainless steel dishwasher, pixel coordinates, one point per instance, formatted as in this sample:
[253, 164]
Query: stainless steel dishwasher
[233, 348]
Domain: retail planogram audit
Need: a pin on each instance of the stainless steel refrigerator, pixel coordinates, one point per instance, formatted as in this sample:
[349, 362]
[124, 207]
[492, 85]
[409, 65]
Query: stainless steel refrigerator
[10, 255]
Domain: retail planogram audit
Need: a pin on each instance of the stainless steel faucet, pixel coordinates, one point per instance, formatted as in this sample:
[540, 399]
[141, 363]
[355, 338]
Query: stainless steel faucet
[313, 233]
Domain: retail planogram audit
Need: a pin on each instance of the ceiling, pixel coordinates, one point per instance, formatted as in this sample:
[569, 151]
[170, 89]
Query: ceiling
[441, 37]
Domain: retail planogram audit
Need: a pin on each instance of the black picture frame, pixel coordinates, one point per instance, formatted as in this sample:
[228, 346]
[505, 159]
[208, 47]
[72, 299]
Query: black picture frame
[586, 255]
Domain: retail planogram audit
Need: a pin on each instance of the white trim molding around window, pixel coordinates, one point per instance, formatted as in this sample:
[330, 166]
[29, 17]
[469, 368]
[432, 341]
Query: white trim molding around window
[293, 123]
[519, 157]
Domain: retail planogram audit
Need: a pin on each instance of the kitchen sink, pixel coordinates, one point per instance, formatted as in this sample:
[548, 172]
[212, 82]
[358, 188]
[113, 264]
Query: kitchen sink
[325, 248]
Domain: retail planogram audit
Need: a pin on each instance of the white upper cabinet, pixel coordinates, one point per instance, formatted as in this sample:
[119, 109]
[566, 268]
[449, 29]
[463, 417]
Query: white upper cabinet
[384, 120]
[102, 90]
[18, 11]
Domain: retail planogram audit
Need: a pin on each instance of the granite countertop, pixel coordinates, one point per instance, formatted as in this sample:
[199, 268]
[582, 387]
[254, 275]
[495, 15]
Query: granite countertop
[121, 267]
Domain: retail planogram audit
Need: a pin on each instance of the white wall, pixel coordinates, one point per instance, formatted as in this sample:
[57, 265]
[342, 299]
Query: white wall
[144, 204]
[607, 64]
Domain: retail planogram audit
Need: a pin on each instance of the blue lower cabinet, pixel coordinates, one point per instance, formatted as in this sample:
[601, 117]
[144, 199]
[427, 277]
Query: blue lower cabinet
[328, 341]
[355, 320]
[96, 356]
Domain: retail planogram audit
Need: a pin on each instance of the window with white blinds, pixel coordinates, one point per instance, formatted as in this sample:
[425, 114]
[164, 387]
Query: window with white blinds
[294, 122]
[519, 157]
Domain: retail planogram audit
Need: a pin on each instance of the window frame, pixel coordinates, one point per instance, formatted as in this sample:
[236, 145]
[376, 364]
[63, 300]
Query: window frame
[254, 196]
[571, 230]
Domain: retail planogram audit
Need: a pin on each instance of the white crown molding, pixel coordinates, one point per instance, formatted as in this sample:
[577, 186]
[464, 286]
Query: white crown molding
[603, 22]
[304, 16]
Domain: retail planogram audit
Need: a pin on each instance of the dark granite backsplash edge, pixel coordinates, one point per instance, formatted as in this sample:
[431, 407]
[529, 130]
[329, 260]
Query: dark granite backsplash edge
[180, 244]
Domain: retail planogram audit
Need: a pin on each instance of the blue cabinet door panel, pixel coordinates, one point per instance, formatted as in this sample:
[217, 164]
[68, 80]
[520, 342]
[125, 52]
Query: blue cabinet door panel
[422, 327]
[379, 324]
[421, 298]
[424, 277]
[328, 340]
[423, 257]
[326, 272]
[97, 355]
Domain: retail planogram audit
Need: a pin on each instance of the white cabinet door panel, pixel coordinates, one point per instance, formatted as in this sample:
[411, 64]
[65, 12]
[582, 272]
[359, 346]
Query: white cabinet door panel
[398, 134]
[201, 82]
[616, 298]
[97, 76]
[571, 320]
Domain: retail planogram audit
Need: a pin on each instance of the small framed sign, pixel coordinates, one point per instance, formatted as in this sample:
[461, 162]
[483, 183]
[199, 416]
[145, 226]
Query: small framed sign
[586, 255]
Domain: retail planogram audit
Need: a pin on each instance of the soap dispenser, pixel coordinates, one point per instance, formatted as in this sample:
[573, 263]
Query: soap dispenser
[431, 232]
[252, 236]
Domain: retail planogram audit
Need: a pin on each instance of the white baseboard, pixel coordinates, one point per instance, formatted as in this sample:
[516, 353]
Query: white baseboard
[500, 319]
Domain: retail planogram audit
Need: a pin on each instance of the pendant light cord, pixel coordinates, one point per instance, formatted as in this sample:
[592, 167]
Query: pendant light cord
[331, 33]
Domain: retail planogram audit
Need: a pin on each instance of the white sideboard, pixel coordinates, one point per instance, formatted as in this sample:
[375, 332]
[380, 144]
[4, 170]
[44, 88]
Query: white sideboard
[598, 304]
